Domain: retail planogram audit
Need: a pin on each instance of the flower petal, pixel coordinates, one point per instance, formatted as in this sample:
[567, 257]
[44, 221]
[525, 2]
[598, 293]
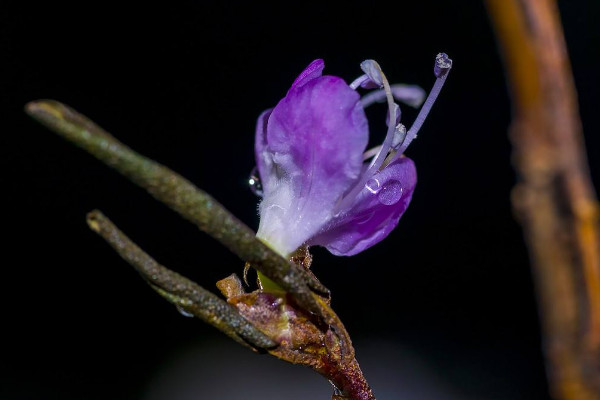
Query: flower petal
[374, 214]
[264, 159]
[314, 70]
[315, 138]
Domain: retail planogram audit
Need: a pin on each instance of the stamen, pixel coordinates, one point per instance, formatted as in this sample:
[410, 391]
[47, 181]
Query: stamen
[373, 71]
[442, 66]
[398, 113]
[371, 68]
[358, 81]
[371, 152]
[411, 95]
[399, 136]
[371, 79]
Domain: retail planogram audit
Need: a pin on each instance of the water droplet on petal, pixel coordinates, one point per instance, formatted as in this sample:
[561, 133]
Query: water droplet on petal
[183, 312]
[390, 193]
[254, 182]
[373, 185]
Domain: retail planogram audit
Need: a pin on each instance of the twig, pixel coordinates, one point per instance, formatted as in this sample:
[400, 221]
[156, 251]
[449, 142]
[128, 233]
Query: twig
[255, 320]
[180, 195]
[554, 198]
[303, 331]
[179, 290]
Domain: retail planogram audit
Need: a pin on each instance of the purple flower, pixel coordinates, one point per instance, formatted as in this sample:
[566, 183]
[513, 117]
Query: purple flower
[319, 185]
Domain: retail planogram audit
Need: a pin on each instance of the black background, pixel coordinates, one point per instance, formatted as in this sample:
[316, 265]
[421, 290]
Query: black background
[444, 308]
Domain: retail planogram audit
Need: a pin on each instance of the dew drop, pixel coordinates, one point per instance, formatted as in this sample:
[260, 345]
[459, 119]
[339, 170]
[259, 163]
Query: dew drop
[390, 193]
[183, 312]
[373, 185]
[254, 182]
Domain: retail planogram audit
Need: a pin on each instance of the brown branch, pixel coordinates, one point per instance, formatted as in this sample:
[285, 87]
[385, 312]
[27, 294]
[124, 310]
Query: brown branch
[180, 195]
[262, 321]
[554, 197]
[322, 344]
[180, 291]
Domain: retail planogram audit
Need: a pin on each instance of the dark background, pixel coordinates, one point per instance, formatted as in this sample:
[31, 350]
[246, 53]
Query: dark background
[444, 308]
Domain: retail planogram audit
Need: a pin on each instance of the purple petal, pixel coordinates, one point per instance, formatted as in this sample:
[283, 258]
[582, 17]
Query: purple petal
[315, 139]
[314, 70]
[375, 213]
[264, 159]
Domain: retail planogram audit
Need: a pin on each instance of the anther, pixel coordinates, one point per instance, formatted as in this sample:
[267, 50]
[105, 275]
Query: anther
[442, 66]
[359, 81]
[399, 136]
[373, 71]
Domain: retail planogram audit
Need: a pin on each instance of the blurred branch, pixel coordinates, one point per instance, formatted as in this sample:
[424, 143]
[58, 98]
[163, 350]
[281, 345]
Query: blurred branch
[554, 197]
[183, 293]
[180, 195]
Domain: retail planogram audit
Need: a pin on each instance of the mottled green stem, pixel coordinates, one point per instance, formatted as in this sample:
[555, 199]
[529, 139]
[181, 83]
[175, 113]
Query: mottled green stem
[182, 292]
[180, 195]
